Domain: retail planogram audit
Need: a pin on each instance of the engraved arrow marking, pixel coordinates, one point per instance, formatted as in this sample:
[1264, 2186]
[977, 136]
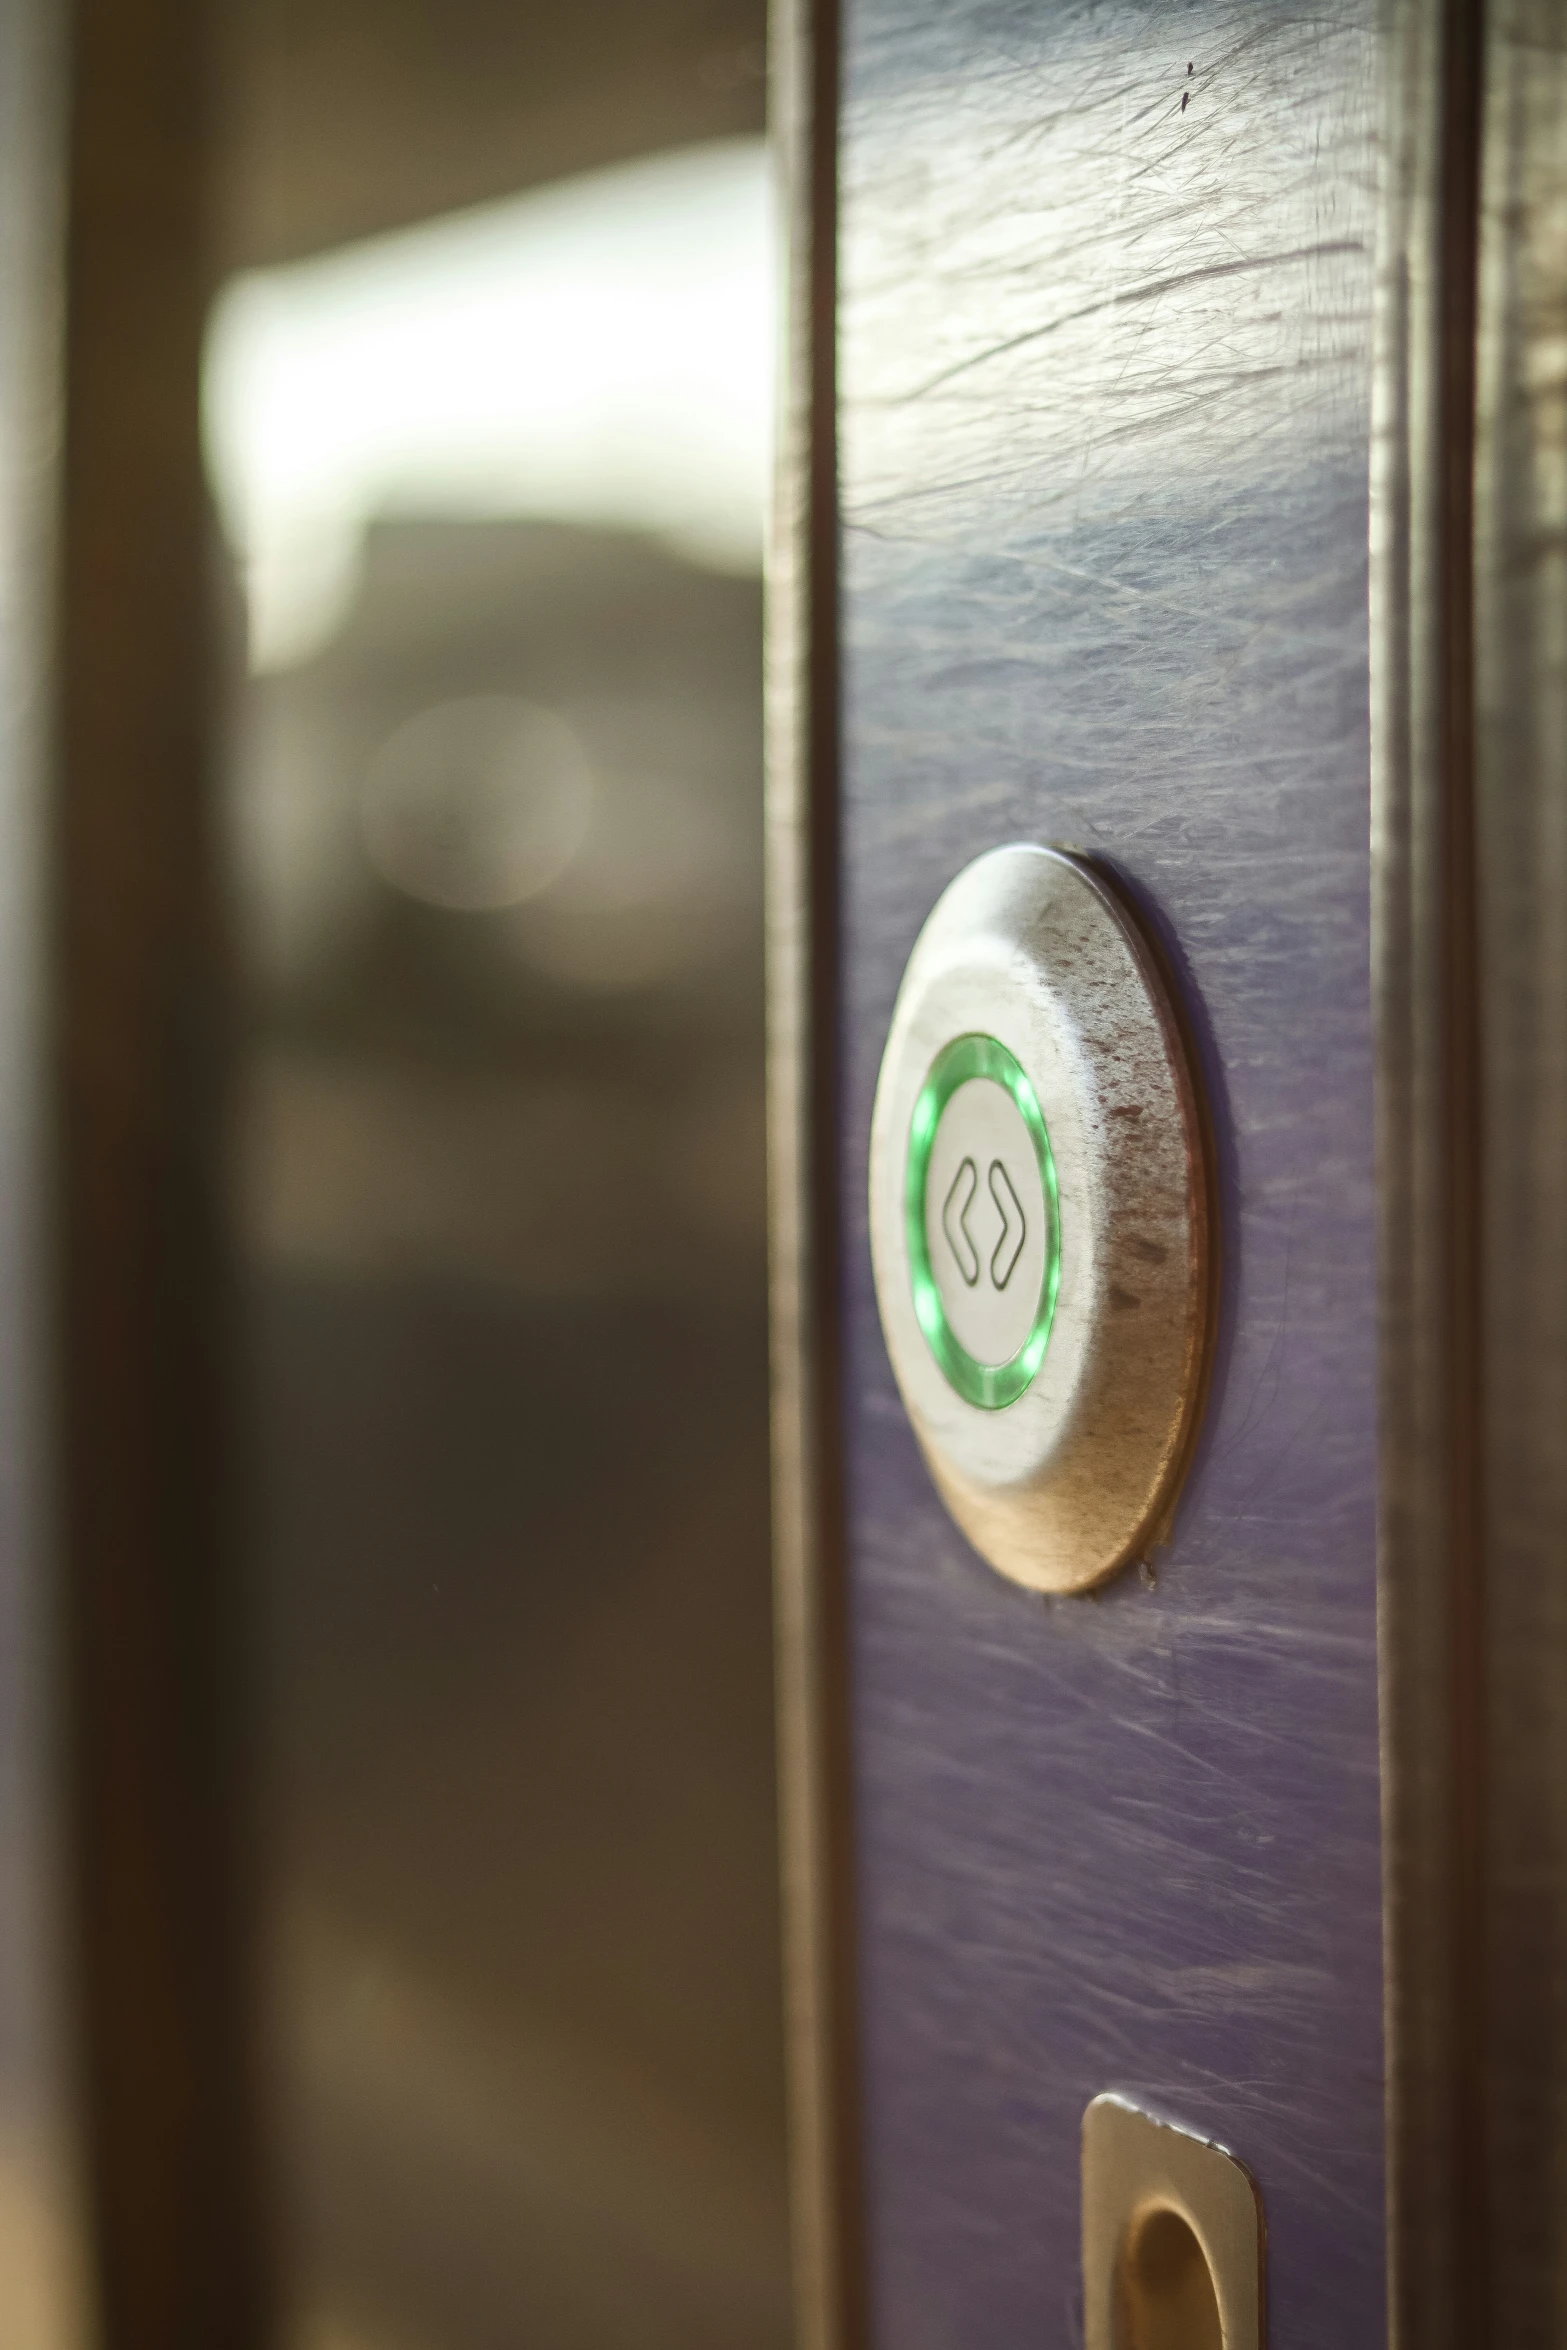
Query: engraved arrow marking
[1008, 1248]
[961, 1241]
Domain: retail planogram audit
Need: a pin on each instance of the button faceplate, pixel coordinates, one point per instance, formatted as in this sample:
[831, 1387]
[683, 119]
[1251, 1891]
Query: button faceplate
[977, 1242]
[1040, 1219]
[980, 1200]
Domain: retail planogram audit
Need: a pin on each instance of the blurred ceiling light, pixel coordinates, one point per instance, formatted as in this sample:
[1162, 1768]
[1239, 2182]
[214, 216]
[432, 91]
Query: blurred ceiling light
[599, 352]
[477, 804]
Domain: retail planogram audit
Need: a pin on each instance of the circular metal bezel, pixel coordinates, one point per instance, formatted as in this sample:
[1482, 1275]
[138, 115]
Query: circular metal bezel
[1063, 1480]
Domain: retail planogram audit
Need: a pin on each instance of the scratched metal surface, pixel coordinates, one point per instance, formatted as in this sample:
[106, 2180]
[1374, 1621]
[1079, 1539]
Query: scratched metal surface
[1107, 278]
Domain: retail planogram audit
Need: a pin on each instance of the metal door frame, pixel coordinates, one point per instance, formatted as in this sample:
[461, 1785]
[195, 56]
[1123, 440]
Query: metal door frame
[1469, 879]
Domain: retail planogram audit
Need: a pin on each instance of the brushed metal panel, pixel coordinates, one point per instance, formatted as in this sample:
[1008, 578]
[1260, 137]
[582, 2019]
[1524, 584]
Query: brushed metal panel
[1521, 835]
[1429, 1106]
[1104, 458]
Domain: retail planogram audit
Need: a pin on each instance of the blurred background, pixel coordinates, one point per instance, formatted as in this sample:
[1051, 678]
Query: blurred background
[486, 411]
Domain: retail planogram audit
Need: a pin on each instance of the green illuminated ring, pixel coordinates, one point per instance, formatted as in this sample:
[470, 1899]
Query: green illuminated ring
[989, 1385]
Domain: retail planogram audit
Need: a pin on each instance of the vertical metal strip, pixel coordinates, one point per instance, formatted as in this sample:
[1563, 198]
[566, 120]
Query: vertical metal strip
[143, 1377]
[39, 2147]
[1521, 829]
[1431, 1632]
[811, 1626]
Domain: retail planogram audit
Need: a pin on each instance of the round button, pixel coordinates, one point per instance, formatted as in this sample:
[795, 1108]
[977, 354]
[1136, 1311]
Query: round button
[1041, 1217]
[983, 1221]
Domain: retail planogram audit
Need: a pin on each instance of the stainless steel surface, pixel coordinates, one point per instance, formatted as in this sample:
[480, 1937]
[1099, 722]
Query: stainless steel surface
[1173, 2238]
[1104, 464]
[1428, 1110]
[1061, 1482]
[1010, 385]
[1521, 836]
